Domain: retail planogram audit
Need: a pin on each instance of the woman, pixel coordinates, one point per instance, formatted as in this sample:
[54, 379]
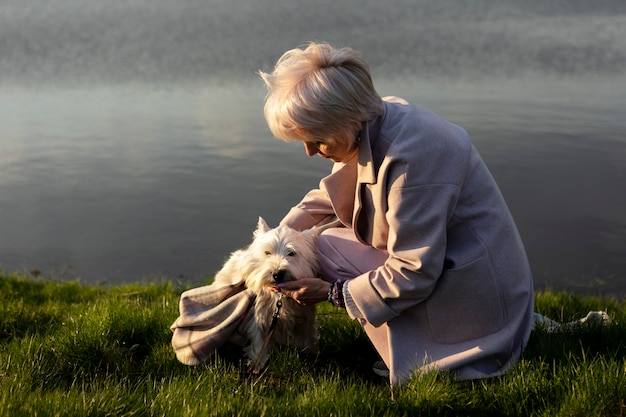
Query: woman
[430, 261]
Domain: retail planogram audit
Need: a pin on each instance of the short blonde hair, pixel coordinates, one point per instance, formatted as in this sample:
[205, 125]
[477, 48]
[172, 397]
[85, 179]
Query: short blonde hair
[319, 92]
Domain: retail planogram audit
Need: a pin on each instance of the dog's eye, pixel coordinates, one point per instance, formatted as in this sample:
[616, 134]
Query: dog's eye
[291, 253]
[268, 253]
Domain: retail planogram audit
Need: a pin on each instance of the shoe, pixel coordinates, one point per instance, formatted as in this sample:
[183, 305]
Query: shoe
[380, 369]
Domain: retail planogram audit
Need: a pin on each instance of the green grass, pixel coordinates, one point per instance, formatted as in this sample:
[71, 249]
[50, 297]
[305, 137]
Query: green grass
[69, 349]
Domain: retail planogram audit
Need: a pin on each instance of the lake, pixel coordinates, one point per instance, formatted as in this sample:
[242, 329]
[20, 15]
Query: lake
[133, 145]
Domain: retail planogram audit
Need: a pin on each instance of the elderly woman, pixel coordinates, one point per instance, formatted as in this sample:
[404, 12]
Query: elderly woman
[430, 261]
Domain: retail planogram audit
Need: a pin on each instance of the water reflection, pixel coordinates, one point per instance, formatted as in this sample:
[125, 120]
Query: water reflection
[124, 184]
[133, 144]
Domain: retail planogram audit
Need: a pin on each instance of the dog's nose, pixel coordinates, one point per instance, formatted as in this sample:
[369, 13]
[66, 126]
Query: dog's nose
[279, 276]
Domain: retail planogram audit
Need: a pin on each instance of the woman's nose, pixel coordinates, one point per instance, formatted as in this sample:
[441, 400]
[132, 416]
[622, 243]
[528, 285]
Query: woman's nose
[311, 148]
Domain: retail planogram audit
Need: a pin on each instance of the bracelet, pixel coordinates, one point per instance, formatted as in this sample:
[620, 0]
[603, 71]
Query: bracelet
[335, 294]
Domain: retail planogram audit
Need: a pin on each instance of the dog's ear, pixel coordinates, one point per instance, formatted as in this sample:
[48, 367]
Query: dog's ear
[262, 227]
[316, 230]
[313, 232]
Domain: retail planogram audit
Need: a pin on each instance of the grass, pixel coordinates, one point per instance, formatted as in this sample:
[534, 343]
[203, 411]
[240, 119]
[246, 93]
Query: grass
[68, 349]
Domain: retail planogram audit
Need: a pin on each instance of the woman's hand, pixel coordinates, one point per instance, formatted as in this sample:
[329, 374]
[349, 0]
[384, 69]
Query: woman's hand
[305, 290]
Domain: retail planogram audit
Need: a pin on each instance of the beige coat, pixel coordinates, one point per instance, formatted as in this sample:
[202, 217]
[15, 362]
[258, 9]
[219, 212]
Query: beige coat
[456, 290]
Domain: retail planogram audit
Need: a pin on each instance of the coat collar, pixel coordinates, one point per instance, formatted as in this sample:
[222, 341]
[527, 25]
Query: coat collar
[342, 185]
[365, 167]
[368, 165]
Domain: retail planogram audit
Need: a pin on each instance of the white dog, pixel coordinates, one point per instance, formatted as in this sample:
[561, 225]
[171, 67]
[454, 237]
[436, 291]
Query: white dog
[274, 256]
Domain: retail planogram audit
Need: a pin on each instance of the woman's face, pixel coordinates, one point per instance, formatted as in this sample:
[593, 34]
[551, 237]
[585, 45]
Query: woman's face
[335, 150]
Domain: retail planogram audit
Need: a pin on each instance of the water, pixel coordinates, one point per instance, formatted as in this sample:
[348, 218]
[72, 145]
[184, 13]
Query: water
[133, 147]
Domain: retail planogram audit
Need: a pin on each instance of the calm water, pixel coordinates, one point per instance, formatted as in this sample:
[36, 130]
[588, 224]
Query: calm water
[133, 147]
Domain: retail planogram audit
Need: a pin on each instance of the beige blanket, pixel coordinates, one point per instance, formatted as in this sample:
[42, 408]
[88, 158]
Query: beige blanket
[209, 317]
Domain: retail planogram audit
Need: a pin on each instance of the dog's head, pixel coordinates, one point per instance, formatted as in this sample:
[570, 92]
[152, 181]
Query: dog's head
[279, 255]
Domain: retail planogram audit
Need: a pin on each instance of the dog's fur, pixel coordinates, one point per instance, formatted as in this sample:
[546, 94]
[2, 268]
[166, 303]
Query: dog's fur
[274, 256]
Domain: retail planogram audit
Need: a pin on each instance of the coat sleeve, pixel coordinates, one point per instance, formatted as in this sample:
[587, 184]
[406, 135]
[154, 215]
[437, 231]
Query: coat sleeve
[417, 248]
[315, 209]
